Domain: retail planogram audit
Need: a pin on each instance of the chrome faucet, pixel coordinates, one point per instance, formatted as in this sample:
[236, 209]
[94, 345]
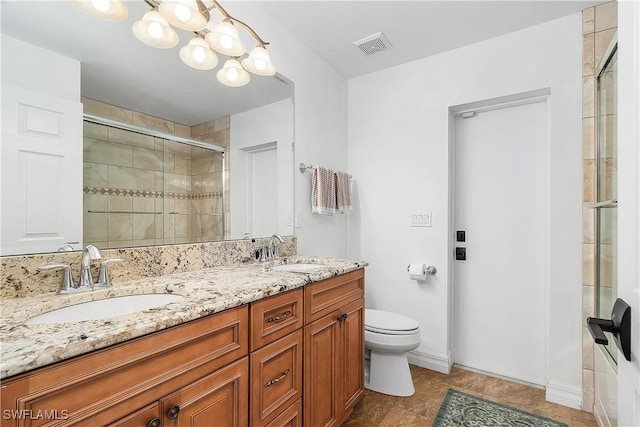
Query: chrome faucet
[273, 246]
[66, 247]
[90, 253]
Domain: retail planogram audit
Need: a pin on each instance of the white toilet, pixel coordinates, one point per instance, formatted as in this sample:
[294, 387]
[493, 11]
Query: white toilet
[387, 339]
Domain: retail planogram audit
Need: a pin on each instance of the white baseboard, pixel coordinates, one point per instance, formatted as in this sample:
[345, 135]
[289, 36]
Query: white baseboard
[435, 362]
[563, 394]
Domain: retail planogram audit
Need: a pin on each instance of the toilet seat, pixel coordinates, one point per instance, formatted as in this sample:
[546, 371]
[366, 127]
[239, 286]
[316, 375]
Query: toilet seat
[387, 323]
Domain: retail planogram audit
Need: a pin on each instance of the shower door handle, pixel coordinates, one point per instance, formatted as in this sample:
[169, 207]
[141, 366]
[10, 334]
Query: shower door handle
[619, 326]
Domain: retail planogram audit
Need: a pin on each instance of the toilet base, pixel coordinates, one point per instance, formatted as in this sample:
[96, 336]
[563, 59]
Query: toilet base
[389, 374]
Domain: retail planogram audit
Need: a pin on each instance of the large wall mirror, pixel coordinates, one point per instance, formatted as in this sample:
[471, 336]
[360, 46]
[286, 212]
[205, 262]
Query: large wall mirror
[169, 155]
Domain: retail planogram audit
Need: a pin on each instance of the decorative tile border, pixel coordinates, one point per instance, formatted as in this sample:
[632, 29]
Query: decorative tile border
[152, 194]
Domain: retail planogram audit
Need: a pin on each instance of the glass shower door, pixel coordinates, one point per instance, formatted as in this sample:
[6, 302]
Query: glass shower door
[607, 195]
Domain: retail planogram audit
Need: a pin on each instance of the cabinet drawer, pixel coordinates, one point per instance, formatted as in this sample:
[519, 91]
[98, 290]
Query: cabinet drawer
[291, 417]
[273, 318]
[327, 296]
[276, 378]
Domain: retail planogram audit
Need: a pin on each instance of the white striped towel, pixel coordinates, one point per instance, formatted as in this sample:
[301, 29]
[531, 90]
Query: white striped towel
[343, 192]
[323, 191]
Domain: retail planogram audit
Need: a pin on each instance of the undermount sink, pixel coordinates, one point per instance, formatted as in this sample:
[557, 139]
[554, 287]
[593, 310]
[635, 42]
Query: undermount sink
[104, 308]
[298, 268]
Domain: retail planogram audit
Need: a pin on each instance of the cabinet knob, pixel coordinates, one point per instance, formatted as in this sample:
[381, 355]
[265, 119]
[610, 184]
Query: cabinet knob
[173, 412]
[154, 422]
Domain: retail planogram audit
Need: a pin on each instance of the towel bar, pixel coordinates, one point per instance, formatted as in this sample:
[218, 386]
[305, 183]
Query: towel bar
[303, 168]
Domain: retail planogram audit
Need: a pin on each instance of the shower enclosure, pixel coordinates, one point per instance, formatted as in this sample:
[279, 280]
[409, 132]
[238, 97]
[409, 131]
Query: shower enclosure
[142, 187]
[606, 194]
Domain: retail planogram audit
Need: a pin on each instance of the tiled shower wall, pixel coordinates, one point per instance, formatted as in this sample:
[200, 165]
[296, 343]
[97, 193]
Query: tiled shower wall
[141, 190]
[217, 132]
[599, 24]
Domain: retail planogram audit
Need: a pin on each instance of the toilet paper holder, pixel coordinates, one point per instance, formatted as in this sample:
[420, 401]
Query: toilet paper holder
[431, 270]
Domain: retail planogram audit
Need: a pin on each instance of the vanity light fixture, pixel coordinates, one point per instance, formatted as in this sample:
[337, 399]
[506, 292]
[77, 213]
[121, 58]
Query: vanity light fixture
[153, 30]
[197, 54]
[225, 39]
[232, 74]
[259, 62]
[193, 15]
[184, 14]
[108, 10]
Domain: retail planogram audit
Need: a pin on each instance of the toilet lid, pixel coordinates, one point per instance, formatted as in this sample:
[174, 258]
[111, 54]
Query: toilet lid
[385, 322]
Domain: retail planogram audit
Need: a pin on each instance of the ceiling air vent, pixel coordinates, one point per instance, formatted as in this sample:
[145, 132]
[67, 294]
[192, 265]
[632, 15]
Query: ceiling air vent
[372, 44]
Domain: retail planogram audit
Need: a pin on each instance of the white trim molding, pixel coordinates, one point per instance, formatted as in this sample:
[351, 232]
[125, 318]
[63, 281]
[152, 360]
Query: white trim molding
[564, 394]
[435, 362]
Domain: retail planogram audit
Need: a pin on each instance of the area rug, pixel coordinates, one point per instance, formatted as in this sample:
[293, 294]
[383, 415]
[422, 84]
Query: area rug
[461, 409]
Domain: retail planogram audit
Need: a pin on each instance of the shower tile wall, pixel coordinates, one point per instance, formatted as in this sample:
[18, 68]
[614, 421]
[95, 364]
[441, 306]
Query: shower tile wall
[599, 24]
[178, 187]
[216, 132]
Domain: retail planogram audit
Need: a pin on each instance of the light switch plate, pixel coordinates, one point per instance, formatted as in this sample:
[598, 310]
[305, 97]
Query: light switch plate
[420, 219]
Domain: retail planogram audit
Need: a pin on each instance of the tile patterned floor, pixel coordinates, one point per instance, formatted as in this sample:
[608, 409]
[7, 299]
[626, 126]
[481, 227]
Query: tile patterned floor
[419, 410]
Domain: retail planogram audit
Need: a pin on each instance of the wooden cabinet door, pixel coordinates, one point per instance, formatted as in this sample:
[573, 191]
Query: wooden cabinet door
[291, 417]
[149, 416]
[352, 355]
[321, 364]
[219, 399]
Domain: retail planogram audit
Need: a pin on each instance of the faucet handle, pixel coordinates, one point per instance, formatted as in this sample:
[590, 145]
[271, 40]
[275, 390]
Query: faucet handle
[264, 253]
[67, 285]
[103, 276]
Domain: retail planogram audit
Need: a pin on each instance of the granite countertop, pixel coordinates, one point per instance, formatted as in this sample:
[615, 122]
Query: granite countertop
[28, 346]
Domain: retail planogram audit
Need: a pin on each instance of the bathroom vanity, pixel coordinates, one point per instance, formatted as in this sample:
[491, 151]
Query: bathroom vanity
[245, 346]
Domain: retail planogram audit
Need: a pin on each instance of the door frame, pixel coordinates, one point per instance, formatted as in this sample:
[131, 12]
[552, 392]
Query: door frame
[514, 100]
[248, 153]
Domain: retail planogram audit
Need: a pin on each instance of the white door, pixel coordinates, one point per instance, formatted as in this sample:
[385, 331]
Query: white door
[629, 204]
[500, 203]
[41, 171]
[263, 191]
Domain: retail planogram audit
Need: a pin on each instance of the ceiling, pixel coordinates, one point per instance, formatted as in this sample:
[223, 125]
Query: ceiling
[415, 29]
[118, 69]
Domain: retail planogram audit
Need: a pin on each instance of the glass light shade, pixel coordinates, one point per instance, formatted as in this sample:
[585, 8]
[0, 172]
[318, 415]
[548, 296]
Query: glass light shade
[224, 38]
[259, 62]
[153, 30]
[232, 74]
[109, 10]
[197, 54]
[183, 14]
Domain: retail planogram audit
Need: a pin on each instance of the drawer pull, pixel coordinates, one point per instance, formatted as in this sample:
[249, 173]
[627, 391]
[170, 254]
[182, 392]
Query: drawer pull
[279, 318]
[173, 412]
[154, 422]
[272, 382]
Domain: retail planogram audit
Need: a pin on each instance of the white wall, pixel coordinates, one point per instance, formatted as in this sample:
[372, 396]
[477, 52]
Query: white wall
[320, 124]
[263, 125]
[399, 153]
[44, 70]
